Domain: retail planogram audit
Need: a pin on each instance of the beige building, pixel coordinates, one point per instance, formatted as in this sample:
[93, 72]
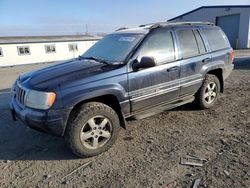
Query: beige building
[38, 49]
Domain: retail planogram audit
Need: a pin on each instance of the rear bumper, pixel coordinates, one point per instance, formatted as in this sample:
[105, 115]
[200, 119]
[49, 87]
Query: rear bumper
[227, 70]
[50, 121]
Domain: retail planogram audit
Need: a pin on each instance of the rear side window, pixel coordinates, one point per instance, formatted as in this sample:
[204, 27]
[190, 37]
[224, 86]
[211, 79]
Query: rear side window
[216, 39]
[159, 45]
[200, 42]
[188, 44]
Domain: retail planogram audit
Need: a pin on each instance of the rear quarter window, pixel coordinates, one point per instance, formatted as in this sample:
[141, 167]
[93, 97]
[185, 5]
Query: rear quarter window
[216, 39]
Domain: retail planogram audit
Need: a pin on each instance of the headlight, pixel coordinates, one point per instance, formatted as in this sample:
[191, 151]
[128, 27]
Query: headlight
[40, 100]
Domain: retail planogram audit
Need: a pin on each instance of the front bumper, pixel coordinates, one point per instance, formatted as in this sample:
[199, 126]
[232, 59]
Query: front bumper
[49, 121]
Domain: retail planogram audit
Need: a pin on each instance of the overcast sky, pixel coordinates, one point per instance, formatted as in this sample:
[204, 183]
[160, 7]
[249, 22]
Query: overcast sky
[53, 17]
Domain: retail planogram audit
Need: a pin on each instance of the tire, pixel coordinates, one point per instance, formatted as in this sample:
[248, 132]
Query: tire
[209, 92]
[92, 130]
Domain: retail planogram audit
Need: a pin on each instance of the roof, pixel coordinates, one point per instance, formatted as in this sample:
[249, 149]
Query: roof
[203, 7]
[46, 39]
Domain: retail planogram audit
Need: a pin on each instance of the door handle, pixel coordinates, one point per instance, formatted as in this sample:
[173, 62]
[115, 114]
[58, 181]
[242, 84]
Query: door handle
[172, 68]
[206, 60]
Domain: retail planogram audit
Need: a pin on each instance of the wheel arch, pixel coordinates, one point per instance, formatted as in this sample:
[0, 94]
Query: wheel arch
[109, 99]
[218, 72]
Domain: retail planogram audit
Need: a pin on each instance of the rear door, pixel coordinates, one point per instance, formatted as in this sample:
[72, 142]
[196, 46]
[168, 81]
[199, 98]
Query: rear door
[193, 55]
[156, 85]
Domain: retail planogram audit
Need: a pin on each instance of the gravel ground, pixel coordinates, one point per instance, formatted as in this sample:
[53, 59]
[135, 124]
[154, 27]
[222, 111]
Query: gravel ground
[147, 154]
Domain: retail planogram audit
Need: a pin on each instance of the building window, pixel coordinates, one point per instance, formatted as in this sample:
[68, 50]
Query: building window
[50, 48]
[23, 50]
[73, 47]
[1, 52]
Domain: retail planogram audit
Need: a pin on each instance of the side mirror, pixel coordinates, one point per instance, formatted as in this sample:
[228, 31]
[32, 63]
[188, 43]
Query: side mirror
[146, 62]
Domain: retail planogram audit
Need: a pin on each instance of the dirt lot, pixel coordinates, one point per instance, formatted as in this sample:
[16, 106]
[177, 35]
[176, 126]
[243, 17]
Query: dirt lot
[147, 154]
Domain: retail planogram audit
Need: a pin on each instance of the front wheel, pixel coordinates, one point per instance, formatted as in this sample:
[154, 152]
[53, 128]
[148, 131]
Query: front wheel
[93, 130]
[209, 92]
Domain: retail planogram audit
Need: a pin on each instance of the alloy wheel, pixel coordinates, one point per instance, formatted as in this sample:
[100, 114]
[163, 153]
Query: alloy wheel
[96, 132]
[210, 92]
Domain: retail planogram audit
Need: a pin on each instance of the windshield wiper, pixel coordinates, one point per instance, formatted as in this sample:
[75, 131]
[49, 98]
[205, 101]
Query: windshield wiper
[95, 59]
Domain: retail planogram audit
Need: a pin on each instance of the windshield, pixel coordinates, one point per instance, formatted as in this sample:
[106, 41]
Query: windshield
[113, 47]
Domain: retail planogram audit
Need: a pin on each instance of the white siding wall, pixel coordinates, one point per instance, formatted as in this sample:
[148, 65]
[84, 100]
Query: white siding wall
[210, 14]
[37, 52]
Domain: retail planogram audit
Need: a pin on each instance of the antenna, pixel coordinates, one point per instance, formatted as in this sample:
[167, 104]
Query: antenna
[86, 29]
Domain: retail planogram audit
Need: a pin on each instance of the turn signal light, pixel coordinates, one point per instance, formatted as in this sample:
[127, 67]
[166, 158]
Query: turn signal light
[51, 98]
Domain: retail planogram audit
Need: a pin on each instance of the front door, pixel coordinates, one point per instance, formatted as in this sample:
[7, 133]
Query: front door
[156, 85]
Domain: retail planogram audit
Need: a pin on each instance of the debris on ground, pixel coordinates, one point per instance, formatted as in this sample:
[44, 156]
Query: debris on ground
[80, 167]
[226, 172]
[46, 176]
[224, 142]
[171, 185]
[192, 161]
[248, 173]
[150, 141]
[196, 183]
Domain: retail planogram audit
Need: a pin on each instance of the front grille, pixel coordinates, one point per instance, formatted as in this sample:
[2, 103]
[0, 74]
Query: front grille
[20, 94]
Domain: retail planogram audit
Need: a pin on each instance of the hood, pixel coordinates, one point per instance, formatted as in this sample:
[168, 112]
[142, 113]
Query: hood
[61, 73]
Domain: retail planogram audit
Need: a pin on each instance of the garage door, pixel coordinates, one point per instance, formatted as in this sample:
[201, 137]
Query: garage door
[230, 25]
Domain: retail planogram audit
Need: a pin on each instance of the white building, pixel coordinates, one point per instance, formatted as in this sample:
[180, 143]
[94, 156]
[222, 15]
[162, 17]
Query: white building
[234, 20]
[37, 49]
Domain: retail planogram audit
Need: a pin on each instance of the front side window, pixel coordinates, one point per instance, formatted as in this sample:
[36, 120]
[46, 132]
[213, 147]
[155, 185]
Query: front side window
[187, 42]
[23, 50]
[114, 47]
[73, 47]
[1, 52]
[50, 48]
[216, 39]
[159, 45]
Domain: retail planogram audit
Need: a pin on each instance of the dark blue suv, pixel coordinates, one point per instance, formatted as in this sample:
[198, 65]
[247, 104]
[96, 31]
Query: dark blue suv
[129, 74]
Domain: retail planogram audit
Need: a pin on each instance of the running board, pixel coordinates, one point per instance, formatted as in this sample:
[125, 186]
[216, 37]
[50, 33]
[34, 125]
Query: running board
[161, 108]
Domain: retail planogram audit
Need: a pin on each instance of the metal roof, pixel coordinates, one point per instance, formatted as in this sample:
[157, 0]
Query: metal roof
[46, 39]
[203, 7]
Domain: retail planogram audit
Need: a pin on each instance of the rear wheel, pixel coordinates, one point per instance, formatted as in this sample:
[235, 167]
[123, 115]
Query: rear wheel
[93, 130]
[209, 92]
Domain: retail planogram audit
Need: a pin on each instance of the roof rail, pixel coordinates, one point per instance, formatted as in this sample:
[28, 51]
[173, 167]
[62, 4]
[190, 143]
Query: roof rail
[122, 28]
[191, 23]
[159, 24]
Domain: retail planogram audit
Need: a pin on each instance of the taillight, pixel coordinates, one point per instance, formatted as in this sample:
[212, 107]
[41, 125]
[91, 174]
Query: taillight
[232, 56]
